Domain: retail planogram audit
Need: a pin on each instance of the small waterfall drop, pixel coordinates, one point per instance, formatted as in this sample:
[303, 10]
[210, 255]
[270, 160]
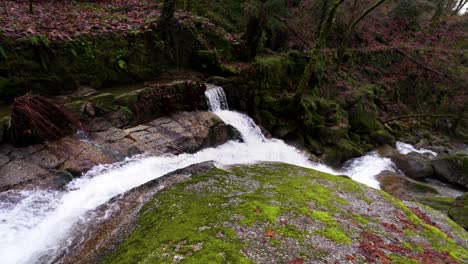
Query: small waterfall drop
[36, 225]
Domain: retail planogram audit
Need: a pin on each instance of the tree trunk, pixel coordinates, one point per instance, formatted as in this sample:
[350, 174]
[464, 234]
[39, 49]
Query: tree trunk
[314, 66]
[344, 43]
[31, 7]
[167, 15]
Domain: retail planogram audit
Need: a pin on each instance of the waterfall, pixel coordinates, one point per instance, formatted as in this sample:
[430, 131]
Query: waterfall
[36, 225]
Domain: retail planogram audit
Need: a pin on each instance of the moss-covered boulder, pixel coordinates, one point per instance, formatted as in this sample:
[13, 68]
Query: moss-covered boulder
[383, 137]
[277, 213]
[459, 211]
[104, 101]
[453, 169]
[341, 152]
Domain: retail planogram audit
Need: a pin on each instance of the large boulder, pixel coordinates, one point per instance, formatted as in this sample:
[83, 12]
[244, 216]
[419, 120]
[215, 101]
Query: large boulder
[414, 165]
[275, 213]
[403, 187]
[453, 169]
[458, 211]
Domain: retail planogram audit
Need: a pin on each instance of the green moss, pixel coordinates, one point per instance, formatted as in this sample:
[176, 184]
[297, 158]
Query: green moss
[396, 259]
[383, 137]
[255, 211]
[269, 73]
[342, 151]
[335, 234]
[291, 231]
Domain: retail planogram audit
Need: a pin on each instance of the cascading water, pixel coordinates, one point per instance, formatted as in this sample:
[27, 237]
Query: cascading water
[35, 226]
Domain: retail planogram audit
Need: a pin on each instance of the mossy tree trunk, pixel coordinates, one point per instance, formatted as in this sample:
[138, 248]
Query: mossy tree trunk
[314, 66]
[165, 28]
[347, 38]
[254, 31]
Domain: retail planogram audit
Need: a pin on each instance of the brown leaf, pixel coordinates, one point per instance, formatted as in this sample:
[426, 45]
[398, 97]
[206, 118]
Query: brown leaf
[270, 233]
[296, 261]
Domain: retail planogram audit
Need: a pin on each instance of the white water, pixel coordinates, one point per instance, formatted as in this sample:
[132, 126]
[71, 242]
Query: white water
[405, 148]
[37, 224]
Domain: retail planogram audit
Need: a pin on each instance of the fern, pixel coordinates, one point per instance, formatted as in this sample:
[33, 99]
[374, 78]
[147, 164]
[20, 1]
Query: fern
[2, 53]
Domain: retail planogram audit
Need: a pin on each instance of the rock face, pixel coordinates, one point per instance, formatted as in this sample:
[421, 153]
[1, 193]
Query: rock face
[277, 213]
[453, 169]
[414, 165]
[50, 165]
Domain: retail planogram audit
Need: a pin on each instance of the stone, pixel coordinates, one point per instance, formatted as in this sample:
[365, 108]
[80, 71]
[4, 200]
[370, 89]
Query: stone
[20, 170]
[414, 165]
[383, 137]
[403, 187]
[176, 134]
[127, 99]
[453, 168]
[76, 107]
[104, 101]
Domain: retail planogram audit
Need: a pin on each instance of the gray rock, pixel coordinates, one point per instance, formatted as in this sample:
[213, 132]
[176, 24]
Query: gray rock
[182, 132]
[414, 165]
[453, 169]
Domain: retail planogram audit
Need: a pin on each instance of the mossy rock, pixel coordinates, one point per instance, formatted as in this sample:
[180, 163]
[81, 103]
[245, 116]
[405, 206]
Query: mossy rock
[76, 107]
[277, 213]
[364, 122]
[382, 137]
[209, 61]
[342, 151]
[458, 211]
[104, 101]
[127, 99]
[332, 135]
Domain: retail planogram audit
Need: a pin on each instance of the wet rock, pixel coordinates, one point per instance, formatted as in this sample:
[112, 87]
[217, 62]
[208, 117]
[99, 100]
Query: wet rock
[459, 211]
[403, 187]
[20, 170]
[76, 107]
[453, 169]
[46, 163]
[383, 137]
[414, 165]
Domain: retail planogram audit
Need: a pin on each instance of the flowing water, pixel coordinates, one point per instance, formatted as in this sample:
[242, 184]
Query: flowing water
[36, 225]
[405, 148]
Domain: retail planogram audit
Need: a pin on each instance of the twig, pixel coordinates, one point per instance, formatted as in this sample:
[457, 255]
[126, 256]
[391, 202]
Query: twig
[419, 116]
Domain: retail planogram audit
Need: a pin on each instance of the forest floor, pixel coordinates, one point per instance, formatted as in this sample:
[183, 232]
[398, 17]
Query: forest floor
[64, 20]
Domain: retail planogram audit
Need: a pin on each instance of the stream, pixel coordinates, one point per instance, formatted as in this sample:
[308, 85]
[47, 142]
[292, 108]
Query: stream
[36, 225]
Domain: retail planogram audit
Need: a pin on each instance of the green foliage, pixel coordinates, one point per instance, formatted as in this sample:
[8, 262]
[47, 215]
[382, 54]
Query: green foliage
[2, 53]
[39, 40]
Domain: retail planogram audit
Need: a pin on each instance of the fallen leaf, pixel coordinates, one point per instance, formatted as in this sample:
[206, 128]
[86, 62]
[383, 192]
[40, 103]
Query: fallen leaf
[270, 233]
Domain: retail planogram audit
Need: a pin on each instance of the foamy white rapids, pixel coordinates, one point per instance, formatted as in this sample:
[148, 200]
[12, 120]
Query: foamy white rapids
[405, 148]
[35, 226]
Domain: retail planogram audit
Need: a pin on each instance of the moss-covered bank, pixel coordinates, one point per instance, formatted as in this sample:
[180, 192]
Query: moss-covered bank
[277, 213]
[35, 63]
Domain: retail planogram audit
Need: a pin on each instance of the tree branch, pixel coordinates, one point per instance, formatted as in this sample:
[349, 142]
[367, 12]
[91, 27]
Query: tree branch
[292, 30]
